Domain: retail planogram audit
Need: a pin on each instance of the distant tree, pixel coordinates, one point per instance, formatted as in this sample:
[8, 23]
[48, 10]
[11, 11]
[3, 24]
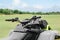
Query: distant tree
[6, 11]
[16, 11]
[20, 12]
[10, 11]
[39, 13]
[1, 10]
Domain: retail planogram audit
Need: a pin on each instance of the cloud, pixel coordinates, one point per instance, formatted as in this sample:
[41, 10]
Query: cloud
[38, 6]
[19, 4]
[24, 5]
[16, 2]
[0, 4]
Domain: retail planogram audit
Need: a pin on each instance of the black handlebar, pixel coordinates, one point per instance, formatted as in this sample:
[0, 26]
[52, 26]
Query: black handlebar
[13, 20]
[17, 19]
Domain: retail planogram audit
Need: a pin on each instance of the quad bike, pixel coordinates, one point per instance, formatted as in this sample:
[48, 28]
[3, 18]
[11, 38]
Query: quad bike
[32, 29]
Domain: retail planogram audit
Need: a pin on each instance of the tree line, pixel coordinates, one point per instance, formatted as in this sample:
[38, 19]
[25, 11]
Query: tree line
[10, 11]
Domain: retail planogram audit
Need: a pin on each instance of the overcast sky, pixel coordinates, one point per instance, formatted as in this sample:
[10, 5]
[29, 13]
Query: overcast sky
[31, 5]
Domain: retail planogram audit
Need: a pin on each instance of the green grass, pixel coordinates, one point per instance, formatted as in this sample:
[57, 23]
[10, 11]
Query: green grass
[5, 27]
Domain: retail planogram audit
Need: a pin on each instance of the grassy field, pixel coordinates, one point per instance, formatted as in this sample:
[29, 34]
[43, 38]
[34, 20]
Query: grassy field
[5, 27]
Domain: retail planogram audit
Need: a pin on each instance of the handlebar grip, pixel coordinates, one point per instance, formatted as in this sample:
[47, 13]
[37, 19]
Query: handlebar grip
[13, 20]
[8, 20]
[34, 18]
[39, 17]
